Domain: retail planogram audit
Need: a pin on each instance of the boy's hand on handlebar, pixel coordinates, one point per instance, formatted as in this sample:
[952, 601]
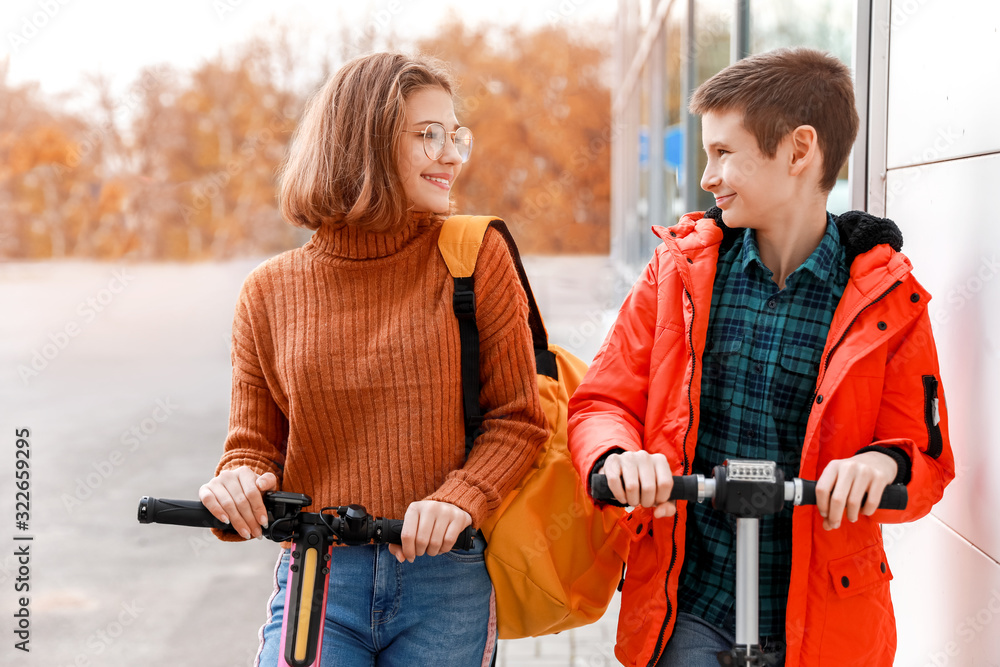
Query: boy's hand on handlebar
[641, 479]
[235, 497]
[430, 527]
[844, 483]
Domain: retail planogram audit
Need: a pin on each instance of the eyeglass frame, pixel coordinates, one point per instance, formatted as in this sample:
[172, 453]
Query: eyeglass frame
[424, 134]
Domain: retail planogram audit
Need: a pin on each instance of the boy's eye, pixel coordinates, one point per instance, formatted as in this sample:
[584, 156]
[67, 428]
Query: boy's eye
[721, 151]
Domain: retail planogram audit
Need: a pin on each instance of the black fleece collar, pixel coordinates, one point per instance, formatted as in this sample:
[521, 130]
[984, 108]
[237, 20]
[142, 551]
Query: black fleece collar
[859, 232]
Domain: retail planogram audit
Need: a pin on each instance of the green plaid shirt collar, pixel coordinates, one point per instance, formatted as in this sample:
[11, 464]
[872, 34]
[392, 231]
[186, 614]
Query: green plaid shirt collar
[820, 263]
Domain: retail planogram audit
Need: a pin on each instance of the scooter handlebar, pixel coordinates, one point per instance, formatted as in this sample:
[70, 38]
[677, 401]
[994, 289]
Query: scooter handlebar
[685, 488]
[689, 487]
[393, 528]
[193, 513]
[893, 498]
[179, 513]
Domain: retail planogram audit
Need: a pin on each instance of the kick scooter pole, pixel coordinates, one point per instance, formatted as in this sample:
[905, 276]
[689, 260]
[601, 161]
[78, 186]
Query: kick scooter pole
[747, 490]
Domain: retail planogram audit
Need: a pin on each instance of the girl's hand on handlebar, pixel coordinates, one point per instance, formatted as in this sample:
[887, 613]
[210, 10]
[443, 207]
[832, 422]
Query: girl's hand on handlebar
[430, 527]
[844, 483]
[235, 497]
[641, 479]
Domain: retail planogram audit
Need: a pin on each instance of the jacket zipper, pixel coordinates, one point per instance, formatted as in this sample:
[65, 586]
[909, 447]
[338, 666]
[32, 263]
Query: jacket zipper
[826, 364]
[673, 535]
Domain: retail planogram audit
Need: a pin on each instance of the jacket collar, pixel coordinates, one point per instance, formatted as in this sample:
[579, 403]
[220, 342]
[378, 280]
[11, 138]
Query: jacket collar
[871, 248]
[859, 232]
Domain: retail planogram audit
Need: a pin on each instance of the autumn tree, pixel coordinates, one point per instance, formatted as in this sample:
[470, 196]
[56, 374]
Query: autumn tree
[182, 164]
[539, 106]
[45, 205]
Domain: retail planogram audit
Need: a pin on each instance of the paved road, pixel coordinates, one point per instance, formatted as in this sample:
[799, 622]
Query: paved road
[121, 374]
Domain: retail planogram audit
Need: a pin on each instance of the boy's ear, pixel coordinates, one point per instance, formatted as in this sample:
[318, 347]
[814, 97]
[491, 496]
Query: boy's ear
[805, 148]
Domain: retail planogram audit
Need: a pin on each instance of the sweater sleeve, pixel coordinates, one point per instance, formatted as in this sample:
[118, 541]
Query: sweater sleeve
[258, 429]
[514, 426]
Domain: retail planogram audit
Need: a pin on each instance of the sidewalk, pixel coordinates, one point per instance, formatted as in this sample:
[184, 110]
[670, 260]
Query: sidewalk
[131, 398]
[589, 646]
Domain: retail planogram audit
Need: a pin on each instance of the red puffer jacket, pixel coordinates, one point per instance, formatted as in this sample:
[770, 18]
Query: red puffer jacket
[878, 384]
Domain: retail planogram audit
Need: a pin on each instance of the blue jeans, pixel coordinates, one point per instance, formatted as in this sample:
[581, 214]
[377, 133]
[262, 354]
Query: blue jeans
[437, 610]
[696, 643]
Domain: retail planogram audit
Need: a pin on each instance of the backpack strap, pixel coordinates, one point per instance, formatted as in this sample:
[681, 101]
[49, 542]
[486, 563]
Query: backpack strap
[459, 243]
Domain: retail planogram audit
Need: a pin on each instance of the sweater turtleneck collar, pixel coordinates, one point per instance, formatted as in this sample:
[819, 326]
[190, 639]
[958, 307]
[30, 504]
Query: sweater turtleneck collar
[350, 242]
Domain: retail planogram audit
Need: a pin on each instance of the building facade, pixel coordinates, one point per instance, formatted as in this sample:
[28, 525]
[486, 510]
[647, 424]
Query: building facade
[928, 157]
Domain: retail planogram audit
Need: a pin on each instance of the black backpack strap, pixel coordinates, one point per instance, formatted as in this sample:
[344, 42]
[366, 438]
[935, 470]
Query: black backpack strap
[464, 305]
[545, 359]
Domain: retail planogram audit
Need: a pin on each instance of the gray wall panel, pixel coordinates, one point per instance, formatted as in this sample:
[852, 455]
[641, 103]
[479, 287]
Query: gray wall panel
[947, 597]
[951, 233]
[944, 60]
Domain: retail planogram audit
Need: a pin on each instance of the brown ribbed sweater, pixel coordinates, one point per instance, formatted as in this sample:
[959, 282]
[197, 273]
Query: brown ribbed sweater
[347, 381]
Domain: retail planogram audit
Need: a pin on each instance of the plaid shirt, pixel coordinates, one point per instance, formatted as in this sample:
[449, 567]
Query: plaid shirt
[759, 371]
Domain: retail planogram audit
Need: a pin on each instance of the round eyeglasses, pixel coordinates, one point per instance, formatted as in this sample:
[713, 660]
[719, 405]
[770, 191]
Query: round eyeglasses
[435, 137]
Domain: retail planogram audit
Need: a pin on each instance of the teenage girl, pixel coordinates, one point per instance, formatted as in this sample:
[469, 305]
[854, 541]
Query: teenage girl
[346, 373]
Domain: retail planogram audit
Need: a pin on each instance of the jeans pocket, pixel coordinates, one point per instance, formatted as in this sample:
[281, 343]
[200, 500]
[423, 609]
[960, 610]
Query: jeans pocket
[477, 554]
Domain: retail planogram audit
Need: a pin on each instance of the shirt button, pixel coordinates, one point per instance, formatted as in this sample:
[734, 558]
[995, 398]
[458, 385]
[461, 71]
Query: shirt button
[751, 433]
[772, 304]
[758, 368]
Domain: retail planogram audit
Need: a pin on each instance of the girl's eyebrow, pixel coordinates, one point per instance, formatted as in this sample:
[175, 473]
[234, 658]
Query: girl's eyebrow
[425, 123]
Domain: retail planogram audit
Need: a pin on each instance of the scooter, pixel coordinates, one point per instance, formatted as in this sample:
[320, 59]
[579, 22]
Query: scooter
[748, 490]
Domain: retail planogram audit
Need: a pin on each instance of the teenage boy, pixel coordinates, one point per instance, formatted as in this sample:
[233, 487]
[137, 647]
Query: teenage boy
[768, 329]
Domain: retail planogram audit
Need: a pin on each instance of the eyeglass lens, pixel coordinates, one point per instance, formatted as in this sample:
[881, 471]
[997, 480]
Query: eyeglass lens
[435, 137]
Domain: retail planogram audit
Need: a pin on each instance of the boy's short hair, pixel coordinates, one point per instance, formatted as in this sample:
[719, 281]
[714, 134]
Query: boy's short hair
[780, 90]
[341, 166]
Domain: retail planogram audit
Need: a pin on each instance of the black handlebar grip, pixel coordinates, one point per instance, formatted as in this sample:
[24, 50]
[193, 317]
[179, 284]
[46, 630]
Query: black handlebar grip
[685, 488]
[600, 491]
[808, 492]
[893, 498]
[178, 513]
[393, 528]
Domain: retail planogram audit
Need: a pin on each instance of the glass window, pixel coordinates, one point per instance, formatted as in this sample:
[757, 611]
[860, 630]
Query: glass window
[645, 169]
[674, 99]
[827, 25]
[712, 25]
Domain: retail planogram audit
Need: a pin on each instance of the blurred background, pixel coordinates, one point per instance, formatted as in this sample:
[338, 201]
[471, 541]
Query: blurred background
[138, 145]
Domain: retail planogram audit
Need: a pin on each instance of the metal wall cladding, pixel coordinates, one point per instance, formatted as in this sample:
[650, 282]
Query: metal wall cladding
[944, 60]
[946, 594]
[946, 565]
[952, 235]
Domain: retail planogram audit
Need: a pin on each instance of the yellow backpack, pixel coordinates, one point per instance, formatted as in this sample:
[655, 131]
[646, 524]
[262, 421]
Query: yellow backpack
[554, 558]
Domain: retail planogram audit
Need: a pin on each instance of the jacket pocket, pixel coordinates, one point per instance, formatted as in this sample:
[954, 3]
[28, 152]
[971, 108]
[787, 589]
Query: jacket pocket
[858, 572]
[859, 625]
[718, 376]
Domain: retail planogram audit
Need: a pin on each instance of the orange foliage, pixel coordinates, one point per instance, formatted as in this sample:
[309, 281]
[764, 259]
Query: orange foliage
[540, 111]
[183, 165]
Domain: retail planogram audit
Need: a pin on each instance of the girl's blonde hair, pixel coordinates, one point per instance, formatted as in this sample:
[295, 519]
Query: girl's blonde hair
[341, 166]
